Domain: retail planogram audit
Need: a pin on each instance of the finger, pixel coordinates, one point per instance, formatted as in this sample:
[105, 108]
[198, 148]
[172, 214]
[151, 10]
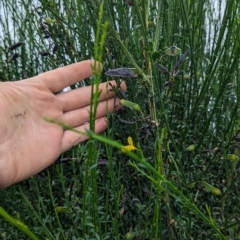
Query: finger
[71, 138]
[62, 77]
[82, 97]
[80, 116]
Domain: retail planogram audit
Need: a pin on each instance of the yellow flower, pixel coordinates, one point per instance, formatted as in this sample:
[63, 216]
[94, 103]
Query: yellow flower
[129, 147]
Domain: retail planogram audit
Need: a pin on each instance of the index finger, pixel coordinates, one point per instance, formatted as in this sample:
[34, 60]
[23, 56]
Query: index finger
[62, 77]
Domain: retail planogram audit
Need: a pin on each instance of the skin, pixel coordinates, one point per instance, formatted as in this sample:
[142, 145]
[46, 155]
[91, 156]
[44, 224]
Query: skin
[29, 144]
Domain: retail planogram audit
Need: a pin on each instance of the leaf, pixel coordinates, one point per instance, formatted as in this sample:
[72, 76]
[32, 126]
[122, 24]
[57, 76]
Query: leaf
[121, 72]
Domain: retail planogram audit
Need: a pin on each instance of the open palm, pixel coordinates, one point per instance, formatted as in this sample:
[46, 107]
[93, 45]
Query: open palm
[28, 144]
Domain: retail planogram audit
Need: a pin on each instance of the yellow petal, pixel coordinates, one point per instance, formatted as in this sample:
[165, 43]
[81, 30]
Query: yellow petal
[128, 148]
[130, 141]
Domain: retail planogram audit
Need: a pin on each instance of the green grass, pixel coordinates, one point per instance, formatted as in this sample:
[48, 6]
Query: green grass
[169, 187]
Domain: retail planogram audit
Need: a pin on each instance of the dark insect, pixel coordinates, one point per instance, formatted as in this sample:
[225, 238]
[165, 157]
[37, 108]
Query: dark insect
[173, 49]
[180, 61]
[121, 72]
[14, 46]
[44, 54]
[13, 57]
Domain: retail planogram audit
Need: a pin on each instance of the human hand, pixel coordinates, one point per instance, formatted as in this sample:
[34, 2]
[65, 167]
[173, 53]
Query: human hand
[29, 144]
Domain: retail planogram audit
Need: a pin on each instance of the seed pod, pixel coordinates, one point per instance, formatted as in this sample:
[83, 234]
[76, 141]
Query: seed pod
[122, 94]
[180, 61]
[129, 104]
[121, 72]
[14, 46]
[44, 54]
[13, 57]
[63, 209]
[232, 157]
[162, 68]
[212, 189]
[126, 121]
[67, 159]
